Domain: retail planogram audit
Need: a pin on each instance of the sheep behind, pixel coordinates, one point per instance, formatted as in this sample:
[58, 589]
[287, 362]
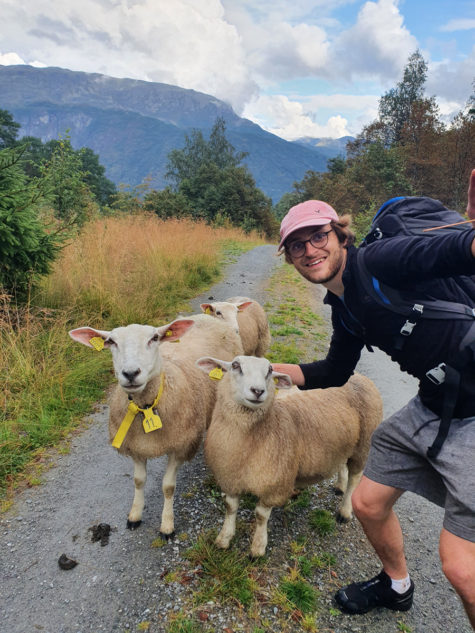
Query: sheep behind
[149, 361]
[269, 445]
[248, 317]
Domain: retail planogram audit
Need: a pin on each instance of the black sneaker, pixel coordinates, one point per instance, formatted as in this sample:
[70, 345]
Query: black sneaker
[361, 597]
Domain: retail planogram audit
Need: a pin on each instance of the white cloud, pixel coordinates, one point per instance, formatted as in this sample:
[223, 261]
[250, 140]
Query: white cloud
[290, 120]
[461, 24]
[12, 59]
[235, 49]
[185, 42]
[377, 46]
[452, 81]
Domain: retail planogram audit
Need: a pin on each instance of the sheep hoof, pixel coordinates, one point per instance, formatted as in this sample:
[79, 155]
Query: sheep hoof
[256, 558]
[167, 537]
[133, 525]
[342, 519]
[337, 491]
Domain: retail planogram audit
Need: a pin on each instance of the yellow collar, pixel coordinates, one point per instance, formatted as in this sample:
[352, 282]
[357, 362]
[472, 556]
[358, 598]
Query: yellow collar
[151, 420]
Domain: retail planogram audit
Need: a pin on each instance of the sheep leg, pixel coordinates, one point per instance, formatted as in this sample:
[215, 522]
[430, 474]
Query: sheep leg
[140, 477]
[168, 487]
[342, 480]
[259, 542]
[229, 526]
[346, 509]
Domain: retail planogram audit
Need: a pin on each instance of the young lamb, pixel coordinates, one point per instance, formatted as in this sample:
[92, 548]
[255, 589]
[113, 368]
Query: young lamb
[249, 319]
[268, 445]
[158, 378]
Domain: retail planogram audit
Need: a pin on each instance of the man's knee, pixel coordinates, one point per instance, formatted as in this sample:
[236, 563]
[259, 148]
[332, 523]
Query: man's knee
[373, 501]
[458, 564]
[366, 507]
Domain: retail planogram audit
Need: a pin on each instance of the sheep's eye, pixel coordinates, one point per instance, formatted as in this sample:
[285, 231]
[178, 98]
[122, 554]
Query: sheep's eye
[237, 367]
[155, 338]
[109, 341]
[219, 313]
[269, 373]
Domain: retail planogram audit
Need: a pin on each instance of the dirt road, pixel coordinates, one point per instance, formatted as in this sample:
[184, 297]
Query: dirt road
[119, 586]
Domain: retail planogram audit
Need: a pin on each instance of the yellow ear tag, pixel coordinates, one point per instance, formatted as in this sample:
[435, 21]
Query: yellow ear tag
[216, 373]
[208, 311]
[168, 333]
[97, 342]
[151, 420]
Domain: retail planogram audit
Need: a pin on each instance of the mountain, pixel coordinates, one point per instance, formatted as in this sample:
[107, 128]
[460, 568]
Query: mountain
[329, 147]
[133, 125]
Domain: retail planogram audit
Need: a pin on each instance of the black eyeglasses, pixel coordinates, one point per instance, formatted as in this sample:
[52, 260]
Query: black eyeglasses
[318, 239]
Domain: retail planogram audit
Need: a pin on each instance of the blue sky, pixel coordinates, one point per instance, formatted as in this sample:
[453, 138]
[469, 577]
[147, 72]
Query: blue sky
[297, 67]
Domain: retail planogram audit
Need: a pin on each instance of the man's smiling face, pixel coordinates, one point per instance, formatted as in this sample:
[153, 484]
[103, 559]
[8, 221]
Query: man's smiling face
[320, 265]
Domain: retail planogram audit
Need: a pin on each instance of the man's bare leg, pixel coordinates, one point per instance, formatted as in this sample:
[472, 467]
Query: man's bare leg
[458, 564]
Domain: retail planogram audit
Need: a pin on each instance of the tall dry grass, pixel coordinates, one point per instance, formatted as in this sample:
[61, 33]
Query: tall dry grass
[117, 271]
[136, 268]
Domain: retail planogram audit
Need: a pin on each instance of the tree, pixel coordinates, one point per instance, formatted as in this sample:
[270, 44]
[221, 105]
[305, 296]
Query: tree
[209, 176]
[395, 106]
[26, 247]
[229, 193]
[8, 129]
[185, 163]
[167, 204]
[71, 198]
[94, 176]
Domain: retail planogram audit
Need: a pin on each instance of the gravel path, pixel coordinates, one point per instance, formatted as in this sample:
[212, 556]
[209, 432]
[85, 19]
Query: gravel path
[118, 586]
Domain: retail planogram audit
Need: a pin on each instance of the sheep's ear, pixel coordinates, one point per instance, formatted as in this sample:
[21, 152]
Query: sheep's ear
[85, 335]
[207, 308]
[207, 364]
[282, 381]
[243, 306]
[174, 330]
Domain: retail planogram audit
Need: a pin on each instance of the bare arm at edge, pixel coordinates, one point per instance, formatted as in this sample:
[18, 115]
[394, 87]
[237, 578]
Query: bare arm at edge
[471, 204]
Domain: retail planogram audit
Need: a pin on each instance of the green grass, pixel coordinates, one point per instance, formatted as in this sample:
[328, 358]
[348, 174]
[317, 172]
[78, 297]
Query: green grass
[226, 574]
[300, 594]
[49, 382]
[322, 522]
[183, 623]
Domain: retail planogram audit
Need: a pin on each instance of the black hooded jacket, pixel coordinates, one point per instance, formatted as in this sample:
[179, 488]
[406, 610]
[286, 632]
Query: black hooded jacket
[418, 267]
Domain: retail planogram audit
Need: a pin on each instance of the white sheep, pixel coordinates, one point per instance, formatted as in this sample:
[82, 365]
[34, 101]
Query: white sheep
[249, 319]
[269, 445]
[158, 379]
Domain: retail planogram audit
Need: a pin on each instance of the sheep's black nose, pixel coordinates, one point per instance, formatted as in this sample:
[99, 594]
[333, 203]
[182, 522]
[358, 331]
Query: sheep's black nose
[257, 392]
[130, 375]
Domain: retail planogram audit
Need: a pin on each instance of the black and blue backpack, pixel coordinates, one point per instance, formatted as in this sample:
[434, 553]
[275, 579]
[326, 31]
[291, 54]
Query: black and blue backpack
[422, 216]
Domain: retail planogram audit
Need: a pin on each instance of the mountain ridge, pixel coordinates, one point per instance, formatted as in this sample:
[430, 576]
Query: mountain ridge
[133, 124]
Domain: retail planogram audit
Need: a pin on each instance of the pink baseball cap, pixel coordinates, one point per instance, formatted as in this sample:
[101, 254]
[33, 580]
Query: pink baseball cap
[309, 213]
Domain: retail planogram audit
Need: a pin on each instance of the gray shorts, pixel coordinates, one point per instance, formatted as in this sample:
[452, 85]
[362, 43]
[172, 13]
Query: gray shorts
[398, 459]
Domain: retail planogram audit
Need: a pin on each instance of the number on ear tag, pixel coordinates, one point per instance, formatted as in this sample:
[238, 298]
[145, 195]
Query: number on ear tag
[151, 421]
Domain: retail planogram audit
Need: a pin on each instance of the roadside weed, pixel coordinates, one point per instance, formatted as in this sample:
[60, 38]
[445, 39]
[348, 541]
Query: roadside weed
[226, 574]
[322, 522]
[182, 623]
[401, 626]
[300, 594]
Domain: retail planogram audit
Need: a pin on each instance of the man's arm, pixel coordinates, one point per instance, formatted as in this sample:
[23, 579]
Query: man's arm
[333, 371]
[471, 204]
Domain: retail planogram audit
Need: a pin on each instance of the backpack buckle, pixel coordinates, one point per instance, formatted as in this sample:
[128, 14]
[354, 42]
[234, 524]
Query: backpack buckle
[437, 374]
[408, 326]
